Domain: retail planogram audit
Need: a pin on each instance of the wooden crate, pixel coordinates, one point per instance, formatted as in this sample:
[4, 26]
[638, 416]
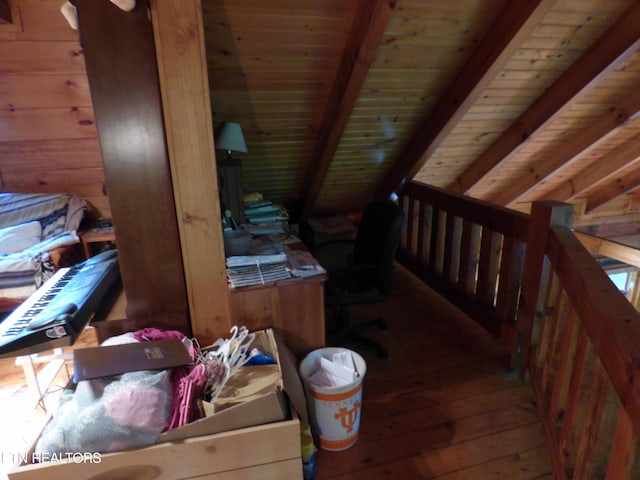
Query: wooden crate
[261, 452]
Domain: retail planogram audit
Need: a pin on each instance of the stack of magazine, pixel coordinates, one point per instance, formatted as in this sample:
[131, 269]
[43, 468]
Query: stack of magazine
[248, 270]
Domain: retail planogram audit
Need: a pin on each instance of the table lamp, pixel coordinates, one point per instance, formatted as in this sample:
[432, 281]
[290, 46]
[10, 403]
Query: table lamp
[230, 138]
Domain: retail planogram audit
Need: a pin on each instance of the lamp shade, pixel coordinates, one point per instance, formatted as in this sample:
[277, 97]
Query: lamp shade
[230, 138]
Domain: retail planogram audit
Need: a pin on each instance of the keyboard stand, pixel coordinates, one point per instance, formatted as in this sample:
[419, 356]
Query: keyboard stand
[41, 379]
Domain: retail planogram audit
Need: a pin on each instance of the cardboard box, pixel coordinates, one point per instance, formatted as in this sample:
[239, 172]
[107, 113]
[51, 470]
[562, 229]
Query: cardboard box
[256, 395]
[95, 362]
[260, 452]
[255, 435]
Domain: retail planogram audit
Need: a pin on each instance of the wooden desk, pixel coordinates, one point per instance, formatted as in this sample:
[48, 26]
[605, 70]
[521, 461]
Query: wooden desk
[294, 308]
[97, 235]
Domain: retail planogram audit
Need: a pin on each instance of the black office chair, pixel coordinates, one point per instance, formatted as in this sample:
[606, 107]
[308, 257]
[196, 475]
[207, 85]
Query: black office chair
[366, 279]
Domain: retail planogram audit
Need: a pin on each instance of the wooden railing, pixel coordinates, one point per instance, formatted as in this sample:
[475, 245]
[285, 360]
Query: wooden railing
[530, 282]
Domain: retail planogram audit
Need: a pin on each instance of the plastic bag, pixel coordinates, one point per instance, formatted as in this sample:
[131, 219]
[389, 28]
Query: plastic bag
[110, 414]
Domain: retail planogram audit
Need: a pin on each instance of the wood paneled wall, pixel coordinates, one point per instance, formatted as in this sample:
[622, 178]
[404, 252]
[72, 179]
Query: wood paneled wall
[271, 68]
[48, 140]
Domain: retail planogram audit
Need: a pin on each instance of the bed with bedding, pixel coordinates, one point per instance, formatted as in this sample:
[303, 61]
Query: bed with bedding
[38, 233]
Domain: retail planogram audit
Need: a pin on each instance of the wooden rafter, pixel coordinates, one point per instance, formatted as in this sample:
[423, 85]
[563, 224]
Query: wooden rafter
[609, 249]
[604, 126]
[368, 28]
[616, 45]
[513, 25]
[623, 183]
[598, 172]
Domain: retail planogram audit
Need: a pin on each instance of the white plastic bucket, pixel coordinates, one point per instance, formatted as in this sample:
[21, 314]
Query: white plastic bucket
[334, 412]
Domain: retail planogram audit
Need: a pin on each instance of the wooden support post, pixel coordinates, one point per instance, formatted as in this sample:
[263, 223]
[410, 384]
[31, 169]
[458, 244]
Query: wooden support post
[182, 69]
[128, 108]
[535, 276]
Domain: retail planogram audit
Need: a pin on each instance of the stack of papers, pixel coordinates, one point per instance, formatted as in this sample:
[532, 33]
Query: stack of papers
[273, 228]
[303, 264]
[256, 269]
[261, 213]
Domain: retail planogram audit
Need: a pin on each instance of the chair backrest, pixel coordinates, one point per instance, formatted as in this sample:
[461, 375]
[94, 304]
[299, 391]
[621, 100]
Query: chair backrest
[376, 242]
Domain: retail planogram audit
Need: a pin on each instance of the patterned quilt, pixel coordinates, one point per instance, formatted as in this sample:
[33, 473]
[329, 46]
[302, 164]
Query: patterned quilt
[59, 216]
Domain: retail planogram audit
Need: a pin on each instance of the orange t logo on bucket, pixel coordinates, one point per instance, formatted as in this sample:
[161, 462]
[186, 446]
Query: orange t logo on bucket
[348, 417]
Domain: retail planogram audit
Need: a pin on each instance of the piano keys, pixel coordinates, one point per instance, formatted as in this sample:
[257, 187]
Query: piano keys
[55, 314]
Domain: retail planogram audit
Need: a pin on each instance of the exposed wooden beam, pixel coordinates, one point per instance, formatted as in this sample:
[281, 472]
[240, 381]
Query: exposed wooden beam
[182, 71]
[620, 41]
[607, 248]
[368, 28]
[513, 25]
[604, 126]
[621, 184]
[5, 12]
[598, 172]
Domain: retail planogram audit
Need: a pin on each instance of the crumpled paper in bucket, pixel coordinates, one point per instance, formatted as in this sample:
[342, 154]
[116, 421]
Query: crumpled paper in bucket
[336, 371]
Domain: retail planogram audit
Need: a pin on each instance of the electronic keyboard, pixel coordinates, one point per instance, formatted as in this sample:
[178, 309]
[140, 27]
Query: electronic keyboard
[55, 314]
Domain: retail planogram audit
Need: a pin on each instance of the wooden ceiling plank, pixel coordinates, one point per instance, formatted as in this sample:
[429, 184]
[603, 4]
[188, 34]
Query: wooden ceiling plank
[359, 53]
[607, 226]
[618, 229]
[599, 220]
[514, 24]
[613, 189]
[604, 126]
[617, 44]
[598, 172]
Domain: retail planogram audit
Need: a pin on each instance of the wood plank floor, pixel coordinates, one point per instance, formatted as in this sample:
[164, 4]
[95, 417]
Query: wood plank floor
[22, 413]
[437, 408]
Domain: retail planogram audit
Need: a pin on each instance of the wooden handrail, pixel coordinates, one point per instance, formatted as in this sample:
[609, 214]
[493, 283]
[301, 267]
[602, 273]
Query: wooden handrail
[534, 285]
[459, 246]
